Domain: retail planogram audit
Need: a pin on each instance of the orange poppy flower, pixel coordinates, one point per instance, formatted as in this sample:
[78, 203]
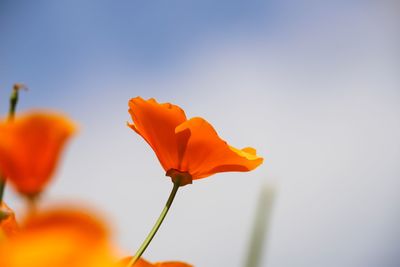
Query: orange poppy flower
[187, 149]
[8, 224]
[30, 147]
[143, 263]
[61, 238]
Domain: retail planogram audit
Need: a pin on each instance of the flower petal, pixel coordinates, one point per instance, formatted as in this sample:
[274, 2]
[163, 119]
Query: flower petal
[140, 263]
[207, 154]
[156, 123]
[144, 263]
[8, 224]
[30, 148]
[62, 238]
[172, 264]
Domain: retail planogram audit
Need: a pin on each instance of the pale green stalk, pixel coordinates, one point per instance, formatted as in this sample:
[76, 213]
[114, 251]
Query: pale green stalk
[156, 226]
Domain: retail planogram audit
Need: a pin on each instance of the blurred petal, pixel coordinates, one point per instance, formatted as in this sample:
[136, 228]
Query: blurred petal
[143, 263]
[172, 264]
[140, 263]
[156, 123]
[8, 224]
[30, 148]
[207, 154]
[63, 238]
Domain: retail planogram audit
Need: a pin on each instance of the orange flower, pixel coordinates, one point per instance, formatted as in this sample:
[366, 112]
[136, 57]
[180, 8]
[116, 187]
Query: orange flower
[8, 224]
[61, 238]
[187, 149]
[30, 147]
[143, 263]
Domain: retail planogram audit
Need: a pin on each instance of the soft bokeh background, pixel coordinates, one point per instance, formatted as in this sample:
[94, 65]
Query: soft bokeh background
[313, 85]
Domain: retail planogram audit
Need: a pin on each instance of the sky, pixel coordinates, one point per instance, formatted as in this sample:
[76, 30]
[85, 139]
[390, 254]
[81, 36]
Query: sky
[313, 85]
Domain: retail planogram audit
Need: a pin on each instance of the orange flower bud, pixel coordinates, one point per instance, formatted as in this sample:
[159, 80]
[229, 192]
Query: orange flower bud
[30, 148]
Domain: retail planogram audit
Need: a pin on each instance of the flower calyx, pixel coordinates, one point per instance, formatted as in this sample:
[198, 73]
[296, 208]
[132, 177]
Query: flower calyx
[179, 177]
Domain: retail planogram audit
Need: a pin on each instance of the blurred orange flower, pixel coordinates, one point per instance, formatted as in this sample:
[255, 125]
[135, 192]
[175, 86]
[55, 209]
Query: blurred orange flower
[187, 149]
[8, 224]
[143, 263]
[60, 238]
[30, 147]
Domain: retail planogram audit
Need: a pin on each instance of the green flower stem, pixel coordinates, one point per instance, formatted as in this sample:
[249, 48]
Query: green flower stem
[261, 227]
[14, 101]
[156, 226]
[11, 114]
[32, 201]
[2, 186]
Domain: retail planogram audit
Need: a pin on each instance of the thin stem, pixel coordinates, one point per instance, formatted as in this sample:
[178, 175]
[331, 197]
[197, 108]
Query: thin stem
[2, 186]
[261, 227]
[157, 225]
[13, 103]
[32, 201]
[11, 114]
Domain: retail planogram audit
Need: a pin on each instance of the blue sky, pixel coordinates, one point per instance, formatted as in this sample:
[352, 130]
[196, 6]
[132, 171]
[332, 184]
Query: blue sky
[47, 43]
[48, 40]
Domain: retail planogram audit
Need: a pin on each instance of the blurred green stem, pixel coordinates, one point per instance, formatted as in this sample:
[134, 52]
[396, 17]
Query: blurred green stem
[11, 115]
[260, 229]
[14, 101]
[2, 186]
